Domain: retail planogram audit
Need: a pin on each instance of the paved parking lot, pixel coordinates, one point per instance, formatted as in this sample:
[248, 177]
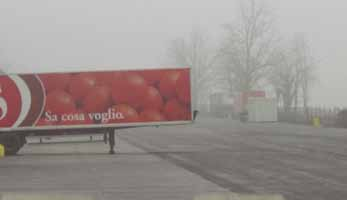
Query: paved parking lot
[298, 162]
[213, 156]
[86, 170]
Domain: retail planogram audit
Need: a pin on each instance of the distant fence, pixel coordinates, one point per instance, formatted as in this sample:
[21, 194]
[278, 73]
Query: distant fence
[328, 116]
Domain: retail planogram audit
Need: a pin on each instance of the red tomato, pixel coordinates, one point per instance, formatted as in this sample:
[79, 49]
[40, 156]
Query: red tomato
[152, 99]
[183, 87]
[152, 76]
[149, 115]
[81, 85]
[167, 84]
[97, 100]
[60, 102]
[129, 89]
[118, 75]
[174, 110]
[129, 114]
[55, 81]
[104, 78]
[76, 118]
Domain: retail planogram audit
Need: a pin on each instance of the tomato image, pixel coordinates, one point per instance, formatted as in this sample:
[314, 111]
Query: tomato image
[97, 100]
[117, 75]
[129, 114]
[81, 84]
[174, 110]
[183, 87]
[152, 99]
[151, 115]
[151, 76]
[60, 102]
[129, 88]
[55, 81]
[104, 78]
[167, 84]
[103, 97]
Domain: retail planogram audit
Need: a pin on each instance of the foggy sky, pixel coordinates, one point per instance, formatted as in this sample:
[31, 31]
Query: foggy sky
[41, 35]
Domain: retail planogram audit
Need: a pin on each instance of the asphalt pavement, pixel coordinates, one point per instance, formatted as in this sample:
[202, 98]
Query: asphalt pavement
[298, 162]
[212, 156]
[73, 170]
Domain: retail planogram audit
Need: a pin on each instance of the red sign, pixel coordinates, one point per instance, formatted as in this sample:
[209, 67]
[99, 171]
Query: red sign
[257, 93]
[95, 98]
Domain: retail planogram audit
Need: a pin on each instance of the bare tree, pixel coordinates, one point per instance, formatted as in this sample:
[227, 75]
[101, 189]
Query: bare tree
[197, 54]
[307, 64]
[293, 75]
[249, 47]
[285, 78]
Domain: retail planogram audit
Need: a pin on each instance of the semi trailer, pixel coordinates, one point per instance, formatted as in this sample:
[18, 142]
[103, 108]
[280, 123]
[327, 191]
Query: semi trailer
[91, 102]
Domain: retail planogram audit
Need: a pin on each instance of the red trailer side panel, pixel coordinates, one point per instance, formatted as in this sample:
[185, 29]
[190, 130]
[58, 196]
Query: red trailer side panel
[95, 99]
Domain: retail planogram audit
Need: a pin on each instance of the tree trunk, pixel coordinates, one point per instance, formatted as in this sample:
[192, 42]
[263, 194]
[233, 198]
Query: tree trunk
[305, 103]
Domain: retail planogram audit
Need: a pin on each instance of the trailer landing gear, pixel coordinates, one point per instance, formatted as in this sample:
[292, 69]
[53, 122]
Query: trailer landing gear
[12, 143]
[111, 140]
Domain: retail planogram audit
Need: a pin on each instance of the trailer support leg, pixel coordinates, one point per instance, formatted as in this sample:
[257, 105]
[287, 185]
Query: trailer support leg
[105, 138]
[111, 140]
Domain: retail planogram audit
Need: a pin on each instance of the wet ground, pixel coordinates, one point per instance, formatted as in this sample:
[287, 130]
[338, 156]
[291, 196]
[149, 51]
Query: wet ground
[187, 162]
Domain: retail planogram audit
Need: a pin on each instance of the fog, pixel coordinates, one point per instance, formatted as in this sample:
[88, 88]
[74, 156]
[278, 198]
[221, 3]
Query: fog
[62, 35]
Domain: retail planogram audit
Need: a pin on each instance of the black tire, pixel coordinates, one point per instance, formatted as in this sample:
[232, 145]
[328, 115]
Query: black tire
[12, 144]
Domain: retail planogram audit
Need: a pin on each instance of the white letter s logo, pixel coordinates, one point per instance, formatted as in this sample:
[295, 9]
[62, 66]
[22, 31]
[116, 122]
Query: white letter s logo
[3, 107]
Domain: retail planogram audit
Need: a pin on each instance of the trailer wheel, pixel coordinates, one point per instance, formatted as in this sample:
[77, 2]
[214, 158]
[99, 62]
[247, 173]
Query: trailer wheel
[12, 144]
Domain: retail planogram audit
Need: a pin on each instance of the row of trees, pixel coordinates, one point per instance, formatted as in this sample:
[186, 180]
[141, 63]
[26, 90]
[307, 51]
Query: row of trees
[251, 55]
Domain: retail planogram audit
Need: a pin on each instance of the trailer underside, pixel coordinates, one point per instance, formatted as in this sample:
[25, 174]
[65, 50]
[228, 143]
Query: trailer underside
[14, 141]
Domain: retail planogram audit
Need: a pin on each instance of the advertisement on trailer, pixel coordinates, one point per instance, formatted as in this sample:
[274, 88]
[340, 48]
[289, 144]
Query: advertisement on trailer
[93, 99]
